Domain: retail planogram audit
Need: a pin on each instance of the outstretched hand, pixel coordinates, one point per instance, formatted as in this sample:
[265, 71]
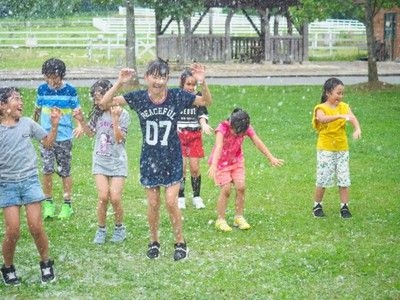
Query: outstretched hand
[126, 74]
[198, 71]
[276, 162]
[55, 115]
[116, 111]
[207, 129]
[78, 114]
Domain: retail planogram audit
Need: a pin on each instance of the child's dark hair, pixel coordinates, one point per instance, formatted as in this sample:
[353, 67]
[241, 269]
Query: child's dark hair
[158, 67]
[54, 66]
[329, 86]
[6, 93]
[100, 86]
[185, 74]
[240, 120]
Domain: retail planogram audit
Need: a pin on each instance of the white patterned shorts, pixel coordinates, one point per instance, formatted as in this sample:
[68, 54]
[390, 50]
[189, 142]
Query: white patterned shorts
[331, 165]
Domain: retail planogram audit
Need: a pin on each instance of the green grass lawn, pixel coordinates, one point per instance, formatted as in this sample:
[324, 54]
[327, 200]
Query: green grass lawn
[287, 254]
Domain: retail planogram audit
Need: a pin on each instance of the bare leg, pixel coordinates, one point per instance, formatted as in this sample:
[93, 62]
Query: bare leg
[102, 198]
[11, 236]
[67, 186]
[194, 163]
[344, 194]
[153, 212]
[319, 194]
[171, 196]
[48, 185]
[240, 192]
[34, 220]
[116, 187]
[223, 199]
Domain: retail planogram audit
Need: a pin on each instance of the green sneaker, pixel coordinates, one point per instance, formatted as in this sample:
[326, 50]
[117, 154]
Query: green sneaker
[49, 209]
[66, 211]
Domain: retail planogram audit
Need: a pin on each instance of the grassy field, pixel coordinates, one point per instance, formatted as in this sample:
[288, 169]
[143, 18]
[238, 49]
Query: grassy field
[287, 254]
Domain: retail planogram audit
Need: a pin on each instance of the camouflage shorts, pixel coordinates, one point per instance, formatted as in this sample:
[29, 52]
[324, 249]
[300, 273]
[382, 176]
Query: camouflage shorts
[60, 153]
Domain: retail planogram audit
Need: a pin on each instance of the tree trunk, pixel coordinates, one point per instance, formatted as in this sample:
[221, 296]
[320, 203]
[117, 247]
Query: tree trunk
[369, 28]
[228, 46]
[130, 38]
[265, 15]
[187, 49]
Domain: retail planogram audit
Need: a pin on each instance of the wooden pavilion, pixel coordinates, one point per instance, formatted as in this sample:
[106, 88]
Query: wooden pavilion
[225, 48]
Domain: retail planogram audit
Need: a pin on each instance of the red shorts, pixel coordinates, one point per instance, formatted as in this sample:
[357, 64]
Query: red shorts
[191, 143]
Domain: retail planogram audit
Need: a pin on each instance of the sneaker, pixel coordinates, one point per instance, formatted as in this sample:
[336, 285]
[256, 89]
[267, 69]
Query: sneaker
[241, 223]
[49, 209]
[10, 276]
[47, 271]
[318, 212]
[66, 211]
[345, 212]
[100, 237]
[153, 252]
[221, 224]
[181, 202]
[119, 234]
[181, 251]
[198, 202]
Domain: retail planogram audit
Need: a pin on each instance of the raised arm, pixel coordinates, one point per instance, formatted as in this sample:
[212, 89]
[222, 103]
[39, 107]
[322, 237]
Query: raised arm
[108, 100]
[198, 71]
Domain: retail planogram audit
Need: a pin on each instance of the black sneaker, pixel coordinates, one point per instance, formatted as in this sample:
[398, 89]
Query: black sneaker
[318, 212]
[345, 212]
[181, 251]
[47, 271]
[9, 275]
[153, 252]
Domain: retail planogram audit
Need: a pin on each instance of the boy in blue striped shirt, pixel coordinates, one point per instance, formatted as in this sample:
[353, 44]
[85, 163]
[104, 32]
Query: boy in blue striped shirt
[56, 93]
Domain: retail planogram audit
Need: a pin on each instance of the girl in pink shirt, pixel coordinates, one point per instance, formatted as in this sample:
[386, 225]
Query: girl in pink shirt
[227, 165]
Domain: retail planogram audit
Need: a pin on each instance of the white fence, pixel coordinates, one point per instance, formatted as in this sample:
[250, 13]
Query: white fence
[334, 34]
[213, 21]
[109, 33]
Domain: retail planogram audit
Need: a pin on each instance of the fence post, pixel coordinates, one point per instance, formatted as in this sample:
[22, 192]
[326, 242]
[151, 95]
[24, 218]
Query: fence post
[109, 49]
[89, 47]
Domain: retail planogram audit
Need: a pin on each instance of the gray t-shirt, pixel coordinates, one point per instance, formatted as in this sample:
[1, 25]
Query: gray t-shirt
[18, 159]
[109, 157]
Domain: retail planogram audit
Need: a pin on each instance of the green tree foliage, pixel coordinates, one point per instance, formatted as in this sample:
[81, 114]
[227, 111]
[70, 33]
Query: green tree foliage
[175, 9]
[29, 9]
[362, 10]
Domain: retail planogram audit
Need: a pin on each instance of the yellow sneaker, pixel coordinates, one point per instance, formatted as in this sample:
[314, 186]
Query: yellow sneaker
[241, 223]
[221, 224]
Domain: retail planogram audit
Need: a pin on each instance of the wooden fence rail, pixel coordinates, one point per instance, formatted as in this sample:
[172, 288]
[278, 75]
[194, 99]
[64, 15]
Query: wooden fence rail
[212, 48]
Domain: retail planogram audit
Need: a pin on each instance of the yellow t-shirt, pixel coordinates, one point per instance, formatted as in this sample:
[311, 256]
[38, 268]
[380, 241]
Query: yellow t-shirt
[331, 136]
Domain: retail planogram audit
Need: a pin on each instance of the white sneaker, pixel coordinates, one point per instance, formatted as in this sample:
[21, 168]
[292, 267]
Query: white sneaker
[181, 202]
[198, 202]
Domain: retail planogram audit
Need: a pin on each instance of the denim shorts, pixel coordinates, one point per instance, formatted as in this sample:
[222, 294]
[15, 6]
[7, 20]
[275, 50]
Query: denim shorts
[20, 193]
